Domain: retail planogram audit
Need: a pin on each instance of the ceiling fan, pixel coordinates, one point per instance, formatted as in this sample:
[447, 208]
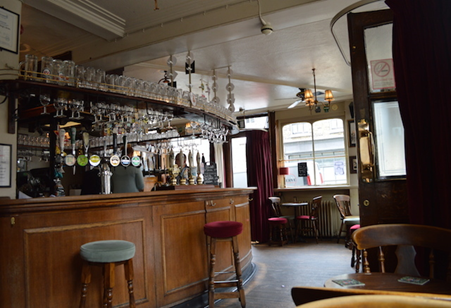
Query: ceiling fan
[301, 97]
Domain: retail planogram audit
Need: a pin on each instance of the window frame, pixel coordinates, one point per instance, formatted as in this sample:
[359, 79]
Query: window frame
[312, 120]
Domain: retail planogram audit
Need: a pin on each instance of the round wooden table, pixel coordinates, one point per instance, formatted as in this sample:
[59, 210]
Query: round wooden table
[389, 282]
[296, 206]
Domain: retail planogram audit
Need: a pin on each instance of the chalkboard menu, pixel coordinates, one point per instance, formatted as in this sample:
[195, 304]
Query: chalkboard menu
[302, 169]
[211, 174]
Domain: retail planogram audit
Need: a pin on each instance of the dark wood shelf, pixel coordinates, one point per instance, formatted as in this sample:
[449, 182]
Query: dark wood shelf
[27, 90]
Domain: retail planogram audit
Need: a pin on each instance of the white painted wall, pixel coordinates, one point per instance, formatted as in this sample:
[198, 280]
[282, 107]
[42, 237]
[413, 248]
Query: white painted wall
[9, 59]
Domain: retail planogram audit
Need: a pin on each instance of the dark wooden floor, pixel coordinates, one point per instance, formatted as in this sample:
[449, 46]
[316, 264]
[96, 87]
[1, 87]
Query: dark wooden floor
[281, 268]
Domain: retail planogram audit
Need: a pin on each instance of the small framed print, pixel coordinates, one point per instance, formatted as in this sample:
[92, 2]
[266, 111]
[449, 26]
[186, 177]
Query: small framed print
[9, 30]
[5, 165]
[353, 164]
[352, 135]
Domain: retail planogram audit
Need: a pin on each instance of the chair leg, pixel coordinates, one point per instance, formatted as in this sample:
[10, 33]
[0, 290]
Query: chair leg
[108, 284]
[339, 232]
[129, 275]
[357, 261]
[315, 228]
[281, 233]
[85, 280]
[291, 229]
[236, 254]
[270, 234]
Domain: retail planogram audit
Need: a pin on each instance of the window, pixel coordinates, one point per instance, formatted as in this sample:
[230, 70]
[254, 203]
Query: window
[239, 162]
[315, 153]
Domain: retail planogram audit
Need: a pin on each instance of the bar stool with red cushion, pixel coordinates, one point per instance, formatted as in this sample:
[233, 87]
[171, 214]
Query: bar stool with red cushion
[280, 224]
[224, 231]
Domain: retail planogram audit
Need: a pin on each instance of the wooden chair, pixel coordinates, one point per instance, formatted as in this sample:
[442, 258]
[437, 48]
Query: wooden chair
[343, 203]
[303, 295]
[405, 236]
[277, 212]
[312, 218]
[377, 301]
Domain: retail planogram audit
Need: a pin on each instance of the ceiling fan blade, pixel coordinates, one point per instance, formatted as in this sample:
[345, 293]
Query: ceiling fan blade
[294, 104]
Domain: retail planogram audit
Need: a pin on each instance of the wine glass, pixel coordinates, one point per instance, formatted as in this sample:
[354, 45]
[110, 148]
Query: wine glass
[45, 101]
[60, 105]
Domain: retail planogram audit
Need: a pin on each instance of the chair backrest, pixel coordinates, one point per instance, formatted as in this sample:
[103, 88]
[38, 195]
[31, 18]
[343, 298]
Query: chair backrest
[378, 236]
[315, 207]
[377, 301]
[303, 295]
[343, 203]
[275, 205]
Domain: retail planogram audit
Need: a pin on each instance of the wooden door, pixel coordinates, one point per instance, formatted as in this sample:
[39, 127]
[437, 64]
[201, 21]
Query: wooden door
[382, 198]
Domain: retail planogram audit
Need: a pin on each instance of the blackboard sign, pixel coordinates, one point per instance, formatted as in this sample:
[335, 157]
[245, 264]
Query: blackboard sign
[302, 169]
[211, 174]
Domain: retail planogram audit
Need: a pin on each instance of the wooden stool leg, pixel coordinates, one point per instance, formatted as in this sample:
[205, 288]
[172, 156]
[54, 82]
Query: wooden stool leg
[85, 280]
[129, 275]
[211, 281]
[108, 284]
[236, 254]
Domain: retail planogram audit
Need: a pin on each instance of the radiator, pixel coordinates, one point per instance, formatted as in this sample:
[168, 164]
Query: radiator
[328, 219]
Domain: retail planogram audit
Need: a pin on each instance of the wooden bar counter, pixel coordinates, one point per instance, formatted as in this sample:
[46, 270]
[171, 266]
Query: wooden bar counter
[40, 242]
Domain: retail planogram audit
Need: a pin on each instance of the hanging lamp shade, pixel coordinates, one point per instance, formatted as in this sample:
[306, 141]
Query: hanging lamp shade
[308, 95]
[284, 171]
[328, 96]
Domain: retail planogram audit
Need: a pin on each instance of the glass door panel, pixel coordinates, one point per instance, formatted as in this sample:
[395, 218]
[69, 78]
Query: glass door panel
[378, 47]
[389, 140]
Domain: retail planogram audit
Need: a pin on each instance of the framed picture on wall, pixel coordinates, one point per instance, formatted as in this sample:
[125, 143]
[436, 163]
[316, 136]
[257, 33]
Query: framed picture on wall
[5, 165]
[353, 164]
[352, 135]
[9, 30]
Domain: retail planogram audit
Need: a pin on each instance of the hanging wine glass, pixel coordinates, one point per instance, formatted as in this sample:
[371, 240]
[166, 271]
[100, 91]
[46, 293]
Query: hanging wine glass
[75, 106]
[60, 105]
[45, 101]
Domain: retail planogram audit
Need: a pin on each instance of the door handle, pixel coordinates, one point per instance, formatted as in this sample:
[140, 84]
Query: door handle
[366, 150]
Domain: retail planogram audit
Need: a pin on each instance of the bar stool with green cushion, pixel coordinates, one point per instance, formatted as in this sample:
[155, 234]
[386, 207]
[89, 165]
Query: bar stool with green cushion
[224, 231]
[108, 254]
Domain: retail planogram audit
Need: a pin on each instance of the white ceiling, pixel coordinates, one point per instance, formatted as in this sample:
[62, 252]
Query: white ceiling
[267, 70]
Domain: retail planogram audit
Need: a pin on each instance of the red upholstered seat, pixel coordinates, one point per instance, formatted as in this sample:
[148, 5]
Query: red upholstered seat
[303, 217]
[278, 220]
[223, 229]
[355, 227]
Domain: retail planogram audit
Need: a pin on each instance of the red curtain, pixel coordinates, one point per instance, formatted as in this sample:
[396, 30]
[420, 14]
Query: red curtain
[422, 60]
[259, 174]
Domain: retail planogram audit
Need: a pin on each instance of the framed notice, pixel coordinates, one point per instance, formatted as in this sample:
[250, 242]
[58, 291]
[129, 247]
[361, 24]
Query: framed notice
[302, 169]
[5, 165]
[9, 30]
[382, 74]
[353, 164]
[352, 135]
